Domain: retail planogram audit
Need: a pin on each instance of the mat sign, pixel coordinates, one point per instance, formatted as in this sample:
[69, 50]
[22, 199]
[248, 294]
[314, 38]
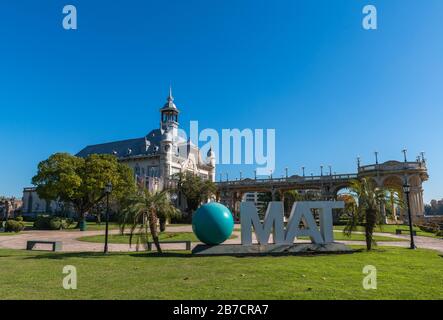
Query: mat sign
[301, 222]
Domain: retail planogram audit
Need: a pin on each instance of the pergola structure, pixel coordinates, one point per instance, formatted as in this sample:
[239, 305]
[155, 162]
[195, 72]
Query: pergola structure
[391, 174]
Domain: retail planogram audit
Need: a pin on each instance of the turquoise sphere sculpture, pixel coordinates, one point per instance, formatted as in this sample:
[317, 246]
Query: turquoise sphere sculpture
[212, 223]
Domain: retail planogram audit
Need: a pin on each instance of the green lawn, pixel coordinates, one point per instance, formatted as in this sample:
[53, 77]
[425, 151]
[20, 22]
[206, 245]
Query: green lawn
[164, 236]
[93, 226]
[401, 274]
[390, 228]
[179, 225]
[9, 233]
[361, 237]
[354, 237]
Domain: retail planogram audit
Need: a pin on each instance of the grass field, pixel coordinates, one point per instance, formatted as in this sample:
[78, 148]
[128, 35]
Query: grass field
[361, 237]
[8, 233]
[164, 236]
[401, 274]
[93, 226]
[189, 236]
[390, 228]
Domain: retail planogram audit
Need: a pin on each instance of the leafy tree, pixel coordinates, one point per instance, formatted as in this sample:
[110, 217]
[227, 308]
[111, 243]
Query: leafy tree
[367, 209]
[195, 189]
[142, 212]
[81, 181]
[290, 197]
[350, 207]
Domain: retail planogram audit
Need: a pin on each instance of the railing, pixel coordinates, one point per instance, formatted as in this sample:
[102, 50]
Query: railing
[387, 166]
[394, 166]
[298, 179]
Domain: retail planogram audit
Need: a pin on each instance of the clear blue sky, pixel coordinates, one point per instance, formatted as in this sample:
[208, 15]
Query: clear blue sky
[307, 68]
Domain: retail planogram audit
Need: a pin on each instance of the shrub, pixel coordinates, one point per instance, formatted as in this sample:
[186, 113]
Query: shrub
[57, 224]
[19, 218]
[42, 222]
[430, 227]
[45, 222]
[14, 226]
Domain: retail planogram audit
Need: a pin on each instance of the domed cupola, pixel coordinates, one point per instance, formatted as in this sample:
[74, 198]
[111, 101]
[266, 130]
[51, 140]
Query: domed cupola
[169, 113]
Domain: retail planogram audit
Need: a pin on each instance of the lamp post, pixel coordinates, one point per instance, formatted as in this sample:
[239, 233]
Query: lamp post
[303, 169]
[376, 157]
[407, 190]
[358, 162]
[330, 170]
[286, 170]
[241, 175]
[321, 170]
[108, 190]
[255, 174]
[404, 153]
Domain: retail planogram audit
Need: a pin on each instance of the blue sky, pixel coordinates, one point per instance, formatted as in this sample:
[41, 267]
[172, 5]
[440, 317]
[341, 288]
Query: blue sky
[331, 89]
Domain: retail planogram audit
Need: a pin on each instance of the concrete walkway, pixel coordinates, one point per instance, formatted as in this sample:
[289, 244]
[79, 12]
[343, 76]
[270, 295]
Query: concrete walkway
[71, 244]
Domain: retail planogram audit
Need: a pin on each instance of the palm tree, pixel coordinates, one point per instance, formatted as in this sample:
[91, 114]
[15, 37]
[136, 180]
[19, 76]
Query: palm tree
[142, 212]
[368, 208]
[290, 197]
[167, 212]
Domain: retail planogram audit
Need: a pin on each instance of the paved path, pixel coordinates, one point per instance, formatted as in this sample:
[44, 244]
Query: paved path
[71, 244]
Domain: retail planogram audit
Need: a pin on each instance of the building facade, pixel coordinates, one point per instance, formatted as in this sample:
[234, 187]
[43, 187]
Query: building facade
[154, 158]
[9, 207]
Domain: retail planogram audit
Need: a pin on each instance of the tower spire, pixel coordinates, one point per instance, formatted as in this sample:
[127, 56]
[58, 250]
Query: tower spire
[170, 97]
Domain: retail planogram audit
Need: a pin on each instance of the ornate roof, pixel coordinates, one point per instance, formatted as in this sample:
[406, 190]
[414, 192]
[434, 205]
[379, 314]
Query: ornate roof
[170, 105]
[148, 145]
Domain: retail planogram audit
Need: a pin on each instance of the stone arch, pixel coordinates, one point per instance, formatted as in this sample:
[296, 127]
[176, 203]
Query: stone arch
[393, 182]
[336, 189]
[394, 185]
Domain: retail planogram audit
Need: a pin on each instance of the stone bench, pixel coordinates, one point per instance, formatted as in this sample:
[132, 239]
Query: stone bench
[56, 245]
[399, 231]
[187, 242]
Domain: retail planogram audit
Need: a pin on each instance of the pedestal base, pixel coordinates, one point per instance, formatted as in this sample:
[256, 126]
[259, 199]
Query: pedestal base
[270, 249]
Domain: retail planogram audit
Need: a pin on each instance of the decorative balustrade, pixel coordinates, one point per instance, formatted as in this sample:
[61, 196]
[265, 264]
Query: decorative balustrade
[292, 179]
[393, 166]
[389, 166]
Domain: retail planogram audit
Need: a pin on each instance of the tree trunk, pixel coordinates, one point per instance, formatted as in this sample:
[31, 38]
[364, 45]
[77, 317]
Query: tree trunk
[81, 217]
[153, 229]
[371, 218]
[162, 222]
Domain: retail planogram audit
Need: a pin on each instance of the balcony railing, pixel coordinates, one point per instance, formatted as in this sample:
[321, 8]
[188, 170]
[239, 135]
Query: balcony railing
[298, 179]
[398, 166]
